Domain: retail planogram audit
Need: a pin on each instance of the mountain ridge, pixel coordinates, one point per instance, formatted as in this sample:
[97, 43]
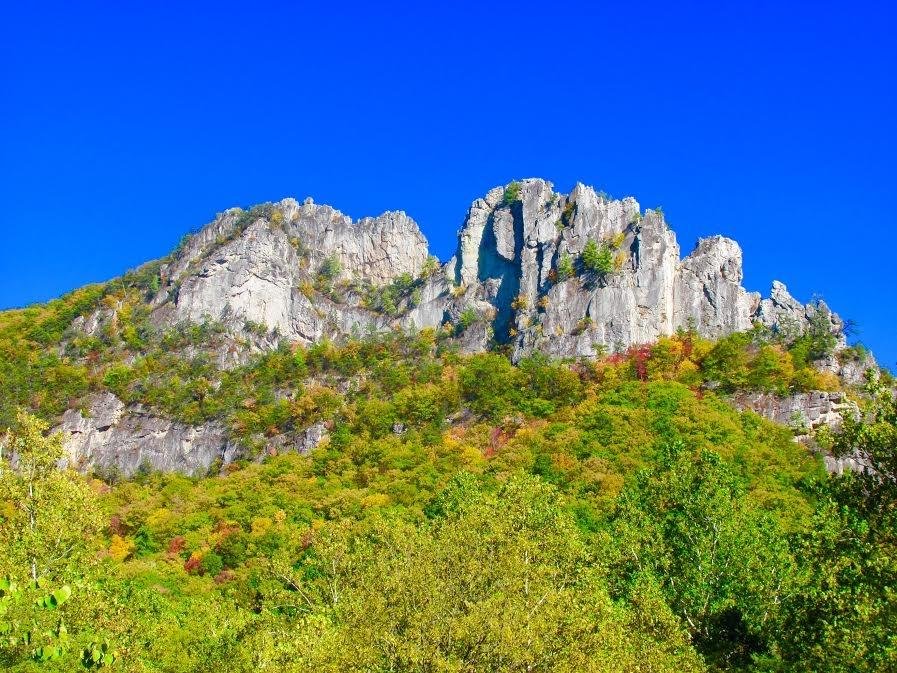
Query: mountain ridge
[303, 270]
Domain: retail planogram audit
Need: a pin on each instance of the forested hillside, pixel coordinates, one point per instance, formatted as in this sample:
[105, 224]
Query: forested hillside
[464, 514]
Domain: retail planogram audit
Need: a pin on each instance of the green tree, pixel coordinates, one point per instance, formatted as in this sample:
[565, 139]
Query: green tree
[330, 269]
[495, 582]
[841, 613]
[873, 438]
[566, 269]
[491, 385]
[49, 517]
[467, 318]
[512, 193]
[52, 513]
[597, 259]
[722, 564]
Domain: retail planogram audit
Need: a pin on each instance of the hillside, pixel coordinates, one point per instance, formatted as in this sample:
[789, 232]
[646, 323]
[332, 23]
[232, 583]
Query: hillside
[142, 362]
[300, 443]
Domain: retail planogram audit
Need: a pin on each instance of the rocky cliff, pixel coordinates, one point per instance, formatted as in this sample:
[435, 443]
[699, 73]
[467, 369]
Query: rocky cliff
[569, 275]
[304, 272]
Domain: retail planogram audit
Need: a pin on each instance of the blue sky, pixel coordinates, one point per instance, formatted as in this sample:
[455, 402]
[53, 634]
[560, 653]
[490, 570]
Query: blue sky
[121, 128]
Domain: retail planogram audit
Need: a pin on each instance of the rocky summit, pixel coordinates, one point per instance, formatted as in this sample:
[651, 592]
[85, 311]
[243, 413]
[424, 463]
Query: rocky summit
[524, 275]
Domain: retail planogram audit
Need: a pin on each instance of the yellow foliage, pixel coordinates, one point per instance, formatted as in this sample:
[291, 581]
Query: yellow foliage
[120, 548]
[688, 373]
[811, 379]
[376, 500]
[700, 348]
[160, 519]
[427, 336]
[261, 525]
[306, 288]
[620, 259]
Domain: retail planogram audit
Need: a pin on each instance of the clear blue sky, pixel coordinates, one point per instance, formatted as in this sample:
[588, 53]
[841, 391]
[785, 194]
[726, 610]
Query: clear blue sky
[774, 123]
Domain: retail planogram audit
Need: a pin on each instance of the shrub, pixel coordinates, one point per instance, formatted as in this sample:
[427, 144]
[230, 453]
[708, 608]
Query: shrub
[430, 267]
[565, 267]
[330, 268]
[467, 318]
[307, 289]
[567, 215]
[597, 259]
[512, 193]
[211, 564]
[491, 385]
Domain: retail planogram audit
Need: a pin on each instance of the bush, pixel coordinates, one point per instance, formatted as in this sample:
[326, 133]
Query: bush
[468, 317]
[211, 564]
[512, 193]
[565, 267]
[330, 268]
[598, 259]
[491, 385]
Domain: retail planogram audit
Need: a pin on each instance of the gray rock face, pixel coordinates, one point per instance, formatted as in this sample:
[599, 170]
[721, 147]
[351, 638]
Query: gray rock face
[261, 273]
[511, 252]
[805, 413]
[113, 436]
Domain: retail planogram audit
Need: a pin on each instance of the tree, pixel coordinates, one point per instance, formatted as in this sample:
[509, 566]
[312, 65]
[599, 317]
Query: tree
[842, 613]
[873, 437]
[491, 385]
[498, 582]
[467, 318]
[839, 616]
[330, 269]
[597, 259]
[566, 269]
[512, 193]
[53, 511]
[721, 563]
[48, 517]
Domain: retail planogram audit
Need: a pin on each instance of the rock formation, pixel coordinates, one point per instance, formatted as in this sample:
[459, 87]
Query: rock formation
[264, 269]
[305, 272]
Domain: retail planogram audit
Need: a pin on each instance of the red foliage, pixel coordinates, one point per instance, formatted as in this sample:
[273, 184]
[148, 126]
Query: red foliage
[193, 564]
[688, 347]
[498, 437]
[176, 546]
[616, 358]
[639, 356]
[224, 576]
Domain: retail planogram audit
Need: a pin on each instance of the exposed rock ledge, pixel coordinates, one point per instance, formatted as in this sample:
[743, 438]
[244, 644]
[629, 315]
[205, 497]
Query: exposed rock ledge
[114, 437]
[805, 413]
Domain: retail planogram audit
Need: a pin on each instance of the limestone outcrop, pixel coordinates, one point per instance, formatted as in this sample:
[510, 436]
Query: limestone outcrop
[303, 272]
[111, 437]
